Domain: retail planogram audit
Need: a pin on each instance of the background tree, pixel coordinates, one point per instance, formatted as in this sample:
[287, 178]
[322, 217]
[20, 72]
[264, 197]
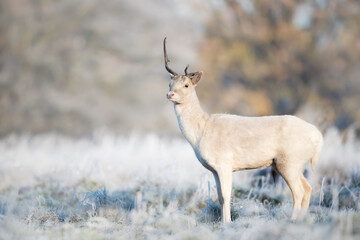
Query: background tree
[275, 57]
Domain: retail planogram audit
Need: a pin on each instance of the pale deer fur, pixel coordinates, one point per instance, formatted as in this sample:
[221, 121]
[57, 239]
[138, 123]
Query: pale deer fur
[226, 143]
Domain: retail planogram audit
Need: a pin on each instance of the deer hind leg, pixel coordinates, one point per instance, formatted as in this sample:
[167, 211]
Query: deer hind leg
[307, 193]
[224, 184]
[297, 190]
[293, 179]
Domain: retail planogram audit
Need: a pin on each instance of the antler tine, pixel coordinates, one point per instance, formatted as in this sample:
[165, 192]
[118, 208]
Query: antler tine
[167, 60]
[187, 66]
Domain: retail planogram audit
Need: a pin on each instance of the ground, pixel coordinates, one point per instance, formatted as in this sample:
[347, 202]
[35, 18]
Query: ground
[146, 186]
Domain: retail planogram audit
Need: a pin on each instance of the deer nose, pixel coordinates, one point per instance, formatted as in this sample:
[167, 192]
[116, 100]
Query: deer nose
[169, 94]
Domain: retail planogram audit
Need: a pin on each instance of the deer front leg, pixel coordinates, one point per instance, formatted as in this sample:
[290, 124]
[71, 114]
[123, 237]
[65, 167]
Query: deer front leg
[223, 179]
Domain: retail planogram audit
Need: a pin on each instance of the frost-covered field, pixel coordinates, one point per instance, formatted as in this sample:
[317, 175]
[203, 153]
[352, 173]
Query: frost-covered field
[135, 187]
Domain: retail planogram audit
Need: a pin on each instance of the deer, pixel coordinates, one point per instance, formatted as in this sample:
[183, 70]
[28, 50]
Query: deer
[225, 143]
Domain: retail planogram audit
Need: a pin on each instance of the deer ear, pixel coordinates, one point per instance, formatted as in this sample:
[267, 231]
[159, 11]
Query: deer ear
[195, 77]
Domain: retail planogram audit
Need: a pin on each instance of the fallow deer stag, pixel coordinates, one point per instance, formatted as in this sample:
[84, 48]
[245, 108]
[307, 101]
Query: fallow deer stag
[226, 143]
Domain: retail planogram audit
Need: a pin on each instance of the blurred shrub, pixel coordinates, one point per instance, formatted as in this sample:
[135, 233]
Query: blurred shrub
[274, 57]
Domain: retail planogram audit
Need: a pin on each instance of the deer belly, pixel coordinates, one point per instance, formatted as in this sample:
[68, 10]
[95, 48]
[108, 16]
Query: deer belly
[244, 165]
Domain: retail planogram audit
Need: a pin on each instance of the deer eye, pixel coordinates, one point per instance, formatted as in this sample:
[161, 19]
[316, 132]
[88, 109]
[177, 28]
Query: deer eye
[186, 85]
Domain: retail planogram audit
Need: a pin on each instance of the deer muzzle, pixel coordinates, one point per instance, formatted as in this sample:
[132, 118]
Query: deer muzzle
[170, 94]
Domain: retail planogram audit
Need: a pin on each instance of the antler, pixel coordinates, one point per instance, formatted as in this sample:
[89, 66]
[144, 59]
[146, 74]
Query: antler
[167, 60]
[187, 66]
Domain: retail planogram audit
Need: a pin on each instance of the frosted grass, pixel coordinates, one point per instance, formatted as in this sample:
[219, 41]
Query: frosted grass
[147, 186]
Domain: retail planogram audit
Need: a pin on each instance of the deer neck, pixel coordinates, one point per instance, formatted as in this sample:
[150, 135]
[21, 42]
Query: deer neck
[192, 120]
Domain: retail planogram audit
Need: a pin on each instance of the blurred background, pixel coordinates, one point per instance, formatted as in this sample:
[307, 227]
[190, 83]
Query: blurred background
[75, 66]
[89, 144]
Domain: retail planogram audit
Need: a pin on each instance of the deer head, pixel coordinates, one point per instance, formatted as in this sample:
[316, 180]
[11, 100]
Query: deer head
[181, 87]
